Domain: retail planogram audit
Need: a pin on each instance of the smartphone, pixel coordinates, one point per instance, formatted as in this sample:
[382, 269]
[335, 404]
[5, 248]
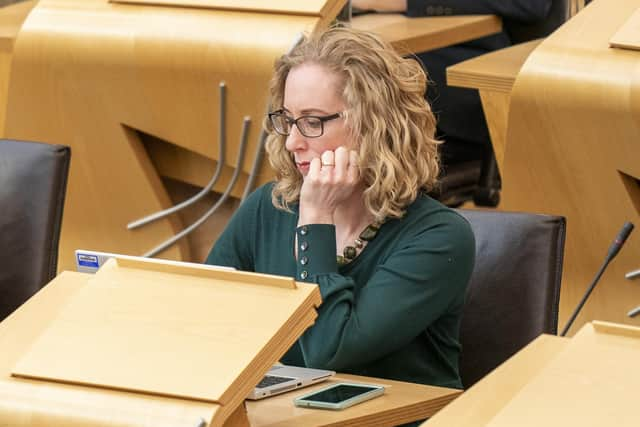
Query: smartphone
[339, 396]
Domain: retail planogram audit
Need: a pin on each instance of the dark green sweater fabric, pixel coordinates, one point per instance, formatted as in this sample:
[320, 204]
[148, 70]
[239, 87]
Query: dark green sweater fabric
[394, 312]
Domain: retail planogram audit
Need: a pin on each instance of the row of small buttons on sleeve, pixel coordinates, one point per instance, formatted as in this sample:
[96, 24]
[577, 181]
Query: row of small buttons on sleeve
[304, 245]
[438, 10]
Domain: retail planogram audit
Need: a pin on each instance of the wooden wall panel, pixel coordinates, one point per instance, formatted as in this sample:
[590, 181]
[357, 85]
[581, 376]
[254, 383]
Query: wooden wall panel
[93, 74]
[574, 126]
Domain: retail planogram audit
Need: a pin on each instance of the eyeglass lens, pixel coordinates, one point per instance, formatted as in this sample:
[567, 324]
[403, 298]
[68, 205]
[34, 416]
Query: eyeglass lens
[308, 126]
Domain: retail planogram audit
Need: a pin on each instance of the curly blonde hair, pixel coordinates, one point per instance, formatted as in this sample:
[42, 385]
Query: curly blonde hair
[389, 120]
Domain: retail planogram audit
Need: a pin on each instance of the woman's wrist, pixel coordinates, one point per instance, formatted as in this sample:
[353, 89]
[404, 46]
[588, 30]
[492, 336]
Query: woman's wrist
[315, 216]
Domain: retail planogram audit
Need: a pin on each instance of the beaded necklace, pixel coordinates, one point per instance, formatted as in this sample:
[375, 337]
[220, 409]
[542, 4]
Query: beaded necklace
[351, 252]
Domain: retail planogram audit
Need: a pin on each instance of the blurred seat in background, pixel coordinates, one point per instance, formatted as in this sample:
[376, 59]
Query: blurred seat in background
[33, 181]
[514, 291]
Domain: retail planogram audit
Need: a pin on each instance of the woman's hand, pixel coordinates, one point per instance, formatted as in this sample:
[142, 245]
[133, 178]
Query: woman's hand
[331, 180]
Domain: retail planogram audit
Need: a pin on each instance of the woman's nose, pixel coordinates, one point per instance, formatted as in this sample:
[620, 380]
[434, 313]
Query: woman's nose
[295, 141]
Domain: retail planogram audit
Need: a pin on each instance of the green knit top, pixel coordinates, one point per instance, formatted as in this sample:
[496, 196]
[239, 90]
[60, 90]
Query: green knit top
[393, 312]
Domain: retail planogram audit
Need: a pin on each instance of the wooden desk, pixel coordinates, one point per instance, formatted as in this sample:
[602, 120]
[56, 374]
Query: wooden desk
[402, 402]
[478, 405]
[11, 19]
[572, 150]
[427, 33]
[493, 75]
[588, 380]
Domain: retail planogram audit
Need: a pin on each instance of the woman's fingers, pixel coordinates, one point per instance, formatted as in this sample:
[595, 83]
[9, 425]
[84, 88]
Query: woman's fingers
[341, 158]
[314, 168]
[328, 159]
[353, 171]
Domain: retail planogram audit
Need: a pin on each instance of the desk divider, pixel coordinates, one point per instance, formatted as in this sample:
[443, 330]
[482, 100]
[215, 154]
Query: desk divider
[628, 36]
[152, 329]
[326, 10]
[598, 366]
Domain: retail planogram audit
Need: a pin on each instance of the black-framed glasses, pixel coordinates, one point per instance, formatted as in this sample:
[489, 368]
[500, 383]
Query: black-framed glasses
[309, 126]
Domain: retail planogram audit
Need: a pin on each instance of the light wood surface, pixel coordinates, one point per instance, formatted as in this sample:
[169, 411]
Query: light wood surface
[588, 380]
[427, 33]
[401, 403]
[495, 106]
[11, 20]
[572, 149]
[478, 405]
[319, 8]
[493, 74]
[590, 383]
[23, 401]
[212, 334]
[495, 71]
[99, 76]
[628, 36]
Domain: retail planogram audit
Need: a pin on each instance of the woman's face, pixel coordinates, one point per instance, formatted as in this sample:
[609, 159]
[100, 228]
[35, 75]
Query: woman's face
[312, 90]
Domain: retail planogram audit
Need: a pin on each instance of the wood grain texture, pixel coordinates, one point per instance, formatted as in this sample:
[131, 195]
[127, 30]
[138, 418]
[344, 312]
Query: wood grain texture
[211, 334]
[24, 403]
[493, 75]
[495, 106]
[11, 20]
[319, 8]
[401, 403]
[495, 71]
[628, 36]
[572, 149]
[586, 381]
[43, 404]
[423, 34]
[96, 75]
[589, 383]
[474, 408]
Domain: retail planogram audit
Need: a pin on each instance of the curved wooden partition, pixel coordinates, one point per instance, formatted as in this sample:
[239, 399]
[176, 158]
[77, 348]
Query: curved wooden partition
[573, 149]
[101, 76]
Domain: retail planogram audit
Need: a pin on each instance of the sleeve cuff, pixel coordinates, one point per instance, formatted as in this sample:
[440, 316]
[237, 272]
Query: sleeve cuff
[316, 251]
[417, 8]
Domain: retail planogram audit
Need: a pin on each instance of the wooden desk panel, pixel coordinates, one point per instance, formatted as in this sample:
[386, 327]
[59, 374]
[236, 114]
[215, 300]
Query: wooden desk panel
[403, 402]
[20, 329]
[573, 150]
[95, 75]
[478, 405]
[493, 75]
[427, 33]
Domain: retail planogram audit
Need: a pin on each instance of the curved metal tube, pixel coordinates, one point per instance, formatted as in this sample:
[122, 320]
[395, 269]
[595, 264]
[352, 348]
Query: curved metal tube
[221, 200]
[222, 141]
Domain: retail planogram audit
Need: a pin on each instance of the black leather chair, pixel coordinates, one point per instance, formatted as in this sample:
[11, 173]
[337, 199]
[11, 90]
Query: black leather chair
[472, 173]
[33, 181]
[514, 292]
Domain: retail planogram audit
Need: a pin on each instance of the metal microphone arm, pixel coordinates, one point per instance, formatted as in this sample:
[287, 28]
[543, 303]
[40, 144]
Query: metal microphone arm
[221, 200]
[222, 142]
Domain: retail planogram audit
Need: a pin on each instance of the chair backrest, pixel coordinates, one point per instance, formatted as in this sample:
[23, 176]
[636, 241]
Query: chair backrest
[33, 180]
[514, 292]
[521, 32]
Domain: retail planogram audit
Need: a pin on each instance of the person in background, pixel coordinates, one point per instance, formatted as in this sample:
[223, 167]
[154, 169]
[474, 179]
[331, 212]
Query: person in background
[461, 122]
[351, 140]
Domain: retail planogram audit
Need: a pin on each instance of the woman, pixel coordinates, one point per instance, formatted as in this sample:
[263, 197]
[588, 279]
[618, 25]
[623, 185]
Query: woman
[351, 141]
